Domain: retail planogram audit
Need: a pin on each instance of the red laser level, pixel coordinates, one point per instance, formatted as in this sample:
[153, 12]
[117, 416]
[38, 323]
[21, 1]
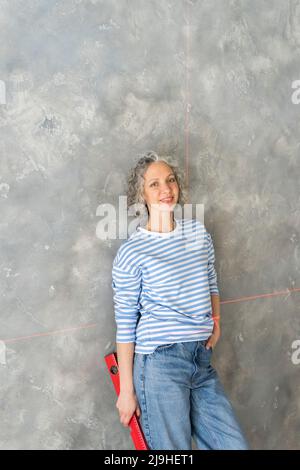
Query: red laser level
[136, 431]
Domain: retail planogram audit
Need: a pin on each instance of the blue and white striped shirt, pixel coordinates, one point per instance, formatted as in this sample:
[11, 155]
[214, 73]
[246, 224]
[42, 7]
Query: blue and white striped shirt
[162, 284]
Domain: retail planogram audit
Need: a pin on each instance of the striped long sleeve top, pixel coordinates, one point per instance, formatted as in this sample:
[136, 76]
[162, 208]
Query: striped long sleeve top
[162, 283]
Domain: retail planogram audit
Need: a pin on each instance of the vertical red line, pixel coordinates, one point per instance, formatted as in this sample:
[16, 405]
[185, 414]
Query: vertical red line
[187, 97]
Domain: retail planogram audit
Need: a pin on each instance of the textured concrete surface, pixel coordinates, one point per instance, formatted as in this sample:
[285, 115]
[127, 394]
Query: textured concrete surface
[86, 85]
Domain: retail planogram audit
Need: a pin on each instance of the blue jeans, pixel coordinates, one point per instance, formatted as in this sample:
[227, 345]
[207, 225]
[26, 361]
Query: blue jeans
[181, 398]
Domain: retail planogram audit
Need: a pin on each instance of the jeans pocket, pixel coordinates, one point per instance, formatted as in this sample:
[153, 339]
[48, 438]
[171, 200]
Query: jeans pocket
[207, 351]
[164, 346]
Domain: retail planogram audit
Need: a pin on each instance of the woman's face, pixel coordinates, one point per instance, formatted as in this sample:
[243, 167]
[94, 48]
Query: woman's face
[159, 184]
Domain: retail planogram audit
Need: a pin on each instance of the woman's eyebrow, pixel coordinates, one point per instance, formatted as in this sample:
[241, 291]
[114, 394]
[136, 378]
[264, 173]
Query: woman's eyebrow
[158, 178]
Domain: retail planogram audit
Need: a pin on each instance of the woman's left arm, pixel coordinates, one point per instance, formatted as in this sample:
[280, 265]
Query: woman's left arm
[214, 338]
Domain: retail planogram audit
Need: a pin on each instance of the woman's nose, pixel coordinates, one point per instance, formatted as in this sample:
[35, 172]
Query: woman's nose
[166, 189]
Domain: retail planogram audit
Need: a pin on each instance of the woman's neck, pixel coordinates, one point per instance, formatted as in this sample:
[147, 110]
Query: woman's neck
[162, 225]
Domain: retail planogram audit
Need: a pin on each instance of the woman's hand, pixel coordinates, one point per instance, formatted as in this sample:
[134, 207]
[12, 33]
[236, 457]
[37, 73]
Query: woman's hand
[127, 404]
[214, 338]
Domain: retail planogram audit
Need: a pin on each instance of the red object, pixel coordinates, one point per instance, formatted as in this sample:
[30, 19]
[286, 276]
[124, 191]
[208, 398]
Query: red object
[136, 431]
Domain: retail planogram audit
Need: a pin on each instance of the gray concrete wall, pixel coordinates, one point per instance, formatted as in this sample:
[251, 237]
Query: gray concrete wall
[86, 85]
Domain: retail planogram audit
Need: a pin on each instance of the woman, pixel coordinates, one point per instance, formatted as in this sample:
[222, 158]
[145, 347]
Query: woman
[167, 311]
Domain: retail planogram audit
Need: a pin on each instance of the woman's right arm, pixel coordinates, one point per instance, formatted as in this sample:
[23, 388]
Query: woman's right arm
[127, 402]
[126, 285]
[125, 352]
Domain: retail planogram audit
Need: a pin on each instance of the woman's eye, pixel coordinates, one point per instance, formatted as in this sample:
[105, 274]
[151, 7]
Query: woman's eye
[171, 180]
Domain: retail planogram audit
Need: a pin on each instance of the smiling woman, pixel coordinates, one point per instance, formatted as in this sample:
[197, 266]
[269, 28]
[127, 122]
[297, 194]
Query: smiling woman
[166, 301]
[156, 184]
[160, 195]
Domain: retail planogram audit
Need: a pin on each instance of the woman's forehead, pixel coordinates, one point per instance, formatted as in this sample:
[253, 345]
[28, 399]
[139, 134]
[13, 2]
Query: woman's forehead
[158, 169]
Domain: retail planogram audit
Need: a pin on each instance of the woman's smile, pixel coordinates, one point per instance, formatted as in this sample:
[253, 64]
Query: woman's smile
[167, 200]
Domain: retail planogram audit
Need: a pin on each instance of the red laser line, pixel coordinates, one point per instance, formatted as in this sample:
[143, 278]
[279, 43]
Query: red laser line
[92, 325]
[187, 104]
[11, 340]
[252, 297]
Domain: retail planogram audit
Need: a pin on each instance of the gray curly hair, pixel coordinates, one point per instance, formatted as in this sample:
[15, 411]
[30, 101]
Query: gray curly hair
[135, 182]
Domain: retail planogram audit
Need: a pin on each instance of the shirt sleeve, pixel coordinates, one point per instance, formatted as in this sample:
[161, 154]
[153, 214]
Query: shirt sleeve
[212, 275]
[126, 285]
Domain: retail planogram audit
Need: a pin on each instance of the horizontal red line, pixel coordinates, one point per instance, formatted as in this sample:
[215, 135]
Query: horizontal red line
[92, 325]
[253, 297]
[12, 340]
